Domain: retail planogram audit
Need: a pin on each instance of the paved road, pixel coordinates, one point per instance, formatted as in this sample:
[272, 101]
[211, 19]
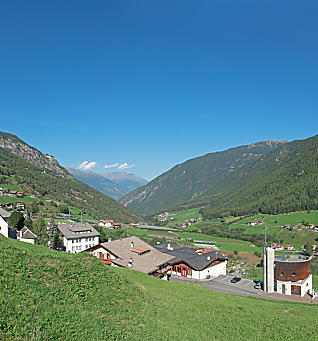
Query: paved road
[243, 288]
[223, 284]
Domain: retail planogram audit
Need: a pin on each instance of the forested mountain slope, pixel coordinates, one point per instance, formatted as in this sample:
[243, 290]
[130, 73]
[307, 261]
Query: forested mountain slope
[190, 179]
[283, 181]
[45, 178]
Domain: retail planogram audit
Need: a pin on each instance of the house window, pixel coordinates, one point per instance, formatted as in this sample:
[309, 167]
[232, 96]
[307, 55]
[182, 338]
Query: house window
[189, 272]
[73, 248]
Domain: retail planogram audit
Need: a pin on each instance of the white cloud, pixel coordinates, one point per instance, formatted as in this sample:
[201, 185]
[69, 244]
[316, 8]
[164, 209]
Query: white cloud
[125, 166]
[87, 165]
[111, 166]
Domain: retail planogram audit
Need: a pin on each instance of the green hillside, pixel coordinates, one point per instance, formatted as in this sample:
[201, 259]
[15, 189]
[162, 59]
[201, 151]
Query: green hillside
[35, 173]
[285, 180]
[190, 179]
[49, 295]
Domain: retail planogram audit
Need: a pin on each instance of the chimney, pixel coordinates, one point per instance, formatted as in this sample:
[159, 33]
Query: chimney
[208, 258]
[131, 244]
[169, 247]
[130, 263]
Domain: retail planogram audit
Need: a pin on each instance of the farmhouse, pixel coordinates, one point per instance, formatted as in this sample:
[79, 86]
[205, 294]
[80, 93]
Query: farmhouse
[78, 237]
[287, 275]
[4, 216]
[106, 223]
[188, 263]
[26, 235]
[134, 253]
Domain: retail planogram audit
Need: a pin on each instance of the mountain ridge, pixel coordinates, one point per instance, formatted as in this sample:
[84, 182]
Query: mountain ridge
[112, 184]
[190, 179]
[44, 176]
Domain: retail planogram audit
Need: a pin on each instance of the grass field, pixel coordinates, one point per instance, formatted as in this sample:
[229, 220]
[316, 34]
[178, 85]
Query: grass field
[274, 224]
[278, 220]
[12, 187]
[224, 244]
[76, 212]
[49, 295]
[13, 200]
[181, 216]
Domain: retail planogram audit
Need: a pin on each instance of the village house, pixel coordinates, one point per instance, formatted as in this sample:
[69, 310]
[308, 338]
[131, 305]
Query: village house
[134, 253]
[251, 223]
[78, 237]
[188, 263]
[20, 205]
[287, 275]
[277, 247]
[136, 224]
[106, 223]
[26, 235]
[4, 228]
[12, 193]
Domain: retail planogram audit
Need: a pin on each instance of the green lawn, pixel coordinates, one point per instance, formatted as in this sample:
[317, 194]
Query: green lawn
[12, 187]
[224, 244]
[76, 212]
[278, 220]
[49, 295]
[5, 199]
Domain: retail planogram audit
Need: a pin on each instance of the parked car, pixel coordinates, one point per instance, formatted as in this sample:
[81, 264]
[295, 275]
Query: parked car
[258, 285]
[235, 279]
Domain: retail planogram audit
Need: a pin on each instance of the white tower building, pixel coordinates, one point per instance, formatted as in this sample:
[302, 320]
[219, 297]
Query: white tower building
[269, 274]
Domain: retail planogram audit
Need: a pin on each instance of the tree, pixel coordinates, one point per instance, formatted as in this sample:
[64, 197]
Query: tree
[57, 242]
[16, 220]
[28, 223]
[39, 229]
[34, 207]
[235, 252]
[308, 249]
[64, 209]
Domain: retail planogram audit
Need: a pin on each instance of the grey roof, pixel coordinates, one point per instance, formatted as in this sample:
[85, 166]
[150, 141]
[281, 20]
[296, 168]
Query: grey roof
[77, 230]
[26, 233]
[163, 246]
[189, 256]
[4, 213]
[147, 262]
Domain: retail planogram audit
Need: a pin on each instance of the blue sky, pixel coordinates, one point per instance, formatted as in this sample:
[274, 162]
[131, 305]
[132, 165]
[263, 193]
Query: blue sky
[154, 83]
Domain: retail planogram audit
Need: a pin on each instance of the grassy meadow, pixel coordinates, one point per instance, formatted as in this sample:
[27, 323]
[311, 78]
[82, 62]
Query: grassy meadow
[49, 295]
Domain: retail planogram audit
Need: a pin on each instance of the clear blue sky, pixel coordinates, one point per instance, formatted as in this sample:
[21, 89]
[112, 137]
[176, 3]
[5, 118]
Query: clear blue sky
[154, 83]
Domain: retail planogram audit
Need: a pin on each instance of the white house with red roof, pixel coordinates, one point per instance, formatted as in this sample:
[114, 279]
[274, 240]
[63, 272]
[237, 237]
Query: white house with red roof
[106, 223]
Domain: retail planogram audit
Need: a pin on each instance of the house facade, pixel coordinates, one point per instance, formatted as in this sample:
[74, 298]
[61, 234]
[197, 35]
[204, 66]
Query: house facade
[133, 253]
[106, 223]
[4, 228]
[188, 263]
[287, 275]
[26, 235]
[78, 237]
